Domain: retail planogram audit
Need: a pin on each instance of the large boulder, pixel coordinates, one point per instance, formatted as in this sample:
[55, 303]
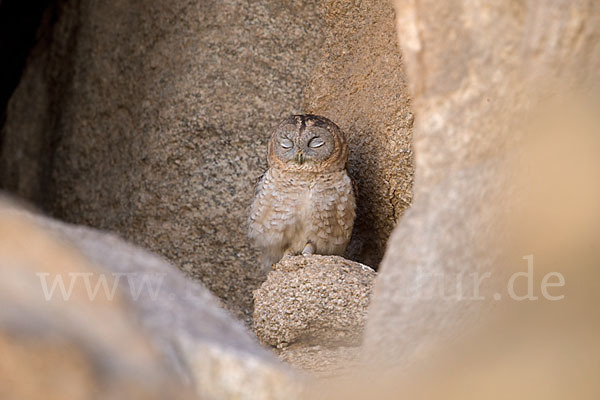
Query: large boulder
[151, 120]
[121, 305]
[478, 76]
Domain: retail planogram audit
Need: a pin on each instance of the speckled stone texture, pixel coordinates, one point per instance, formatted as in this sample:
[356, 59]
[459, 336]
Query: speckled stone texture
[313, 300]
[151, 120]
[322, 362]
[360, 84]
[476, 74]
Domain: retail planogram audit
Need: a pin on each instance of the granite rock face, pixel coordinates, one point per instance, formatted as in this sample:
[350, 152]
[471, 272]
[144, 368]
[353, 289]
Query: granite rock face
[313, 299]
[360, 84]
[313, 308]
[146, 315]
[477, 75]
[151, 120]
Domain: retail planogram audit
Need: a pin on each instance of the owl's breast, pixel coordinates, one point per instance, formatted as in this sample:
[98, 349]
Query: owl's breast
[290, 211]
[304, 200]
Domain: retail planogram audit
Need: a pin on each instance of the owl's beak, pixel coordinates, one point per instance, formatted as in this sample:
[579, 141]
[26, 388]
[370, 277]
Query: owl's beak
[299, 158]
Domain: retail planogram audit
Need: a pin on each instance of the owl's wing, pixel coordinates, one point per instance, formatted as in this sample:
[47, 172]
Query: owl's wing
[258, 183]
[354, 187]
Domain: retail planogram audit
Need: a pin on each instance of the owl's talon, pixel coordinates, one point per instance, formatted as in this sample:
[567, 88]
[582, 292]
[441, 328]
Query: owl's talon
[308, 249]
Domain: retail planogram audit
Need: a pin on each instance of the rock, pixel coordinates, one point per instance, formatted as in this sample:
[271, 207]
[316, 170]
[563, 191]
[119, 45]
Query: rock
[360, 84]
[310, 301]
[161, 137]
[158, 320]
[151, 120]
[321, 361]
[476, 75]
[69, 346]
[19, 22]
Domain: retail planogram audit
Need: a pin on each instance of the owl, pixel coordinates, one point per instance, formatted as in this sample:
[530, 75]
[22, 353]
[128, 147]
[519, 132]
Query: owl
[305, 202]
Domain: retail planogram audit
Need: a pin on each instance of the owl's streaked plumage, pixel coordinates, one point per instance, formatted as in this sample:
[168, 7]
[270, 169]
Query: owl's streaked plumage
[305, 201]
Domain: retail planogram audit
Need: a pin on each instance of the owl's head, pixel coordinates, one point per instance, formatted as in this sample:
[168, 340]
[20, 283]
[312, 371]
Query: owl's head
[308, 143]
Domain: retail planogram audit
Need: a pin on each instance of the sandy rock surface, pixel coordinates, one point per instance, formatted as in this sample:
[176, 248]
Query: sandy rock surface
[313, 303]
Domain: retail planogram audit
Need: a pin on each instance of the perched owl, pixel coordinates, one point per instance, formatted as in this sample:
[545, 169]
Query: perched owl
[304, 203]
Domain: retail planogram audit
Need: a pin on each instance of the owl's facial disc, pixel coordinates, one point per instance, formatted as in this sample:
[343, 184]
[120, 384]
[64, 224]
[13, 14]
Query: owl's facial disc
[305, 142]
[310, 145]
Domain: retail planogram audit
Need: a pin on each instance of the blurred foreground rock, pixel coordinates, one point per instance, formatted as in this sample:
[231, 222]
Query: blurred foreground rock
[313, 308]
[52, 347]
[479, 75]
[123, 324]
